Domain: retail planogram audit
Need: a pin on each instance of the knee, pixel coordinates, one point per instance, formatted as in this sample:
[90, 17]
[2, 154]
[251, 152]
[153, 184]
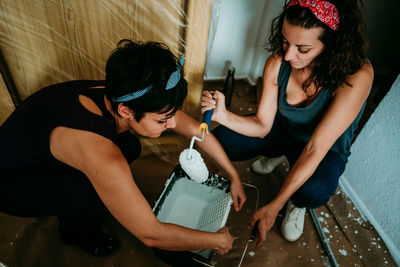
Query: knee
[222, 134]
[312, 196]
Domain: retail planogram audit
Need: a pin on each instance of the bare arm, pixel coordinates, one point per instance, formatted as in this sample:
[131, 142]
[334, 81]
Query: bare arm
[347, 103]
[108, 171]
[189, 127]
[260, 124]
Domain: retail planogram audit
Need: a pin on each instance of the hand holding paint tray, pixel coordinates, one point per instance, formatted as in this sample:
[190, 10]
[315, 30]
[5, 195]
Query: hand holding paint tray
[203, 206]
[193, 197]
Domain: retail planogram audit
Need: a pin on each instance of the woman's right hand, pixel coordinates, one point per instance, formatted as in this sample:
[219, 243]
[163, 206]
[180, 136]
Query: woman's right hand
[226, 241]
[216, 102]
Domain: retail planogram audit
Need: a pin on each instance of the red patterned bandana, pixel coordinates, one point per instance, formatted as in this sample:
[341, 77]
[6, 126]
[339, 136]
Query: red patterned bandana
[322, 10]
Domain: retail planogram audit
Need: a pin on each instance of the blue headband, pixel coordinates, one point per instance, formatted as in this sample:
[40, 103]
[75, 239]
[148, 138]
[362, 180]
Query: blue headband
[171, 83]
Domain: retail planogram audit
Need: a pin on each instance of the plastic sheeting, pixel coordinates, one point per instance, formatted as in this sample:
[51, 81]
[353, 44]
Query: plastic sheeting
[6, 105]
[49, 41]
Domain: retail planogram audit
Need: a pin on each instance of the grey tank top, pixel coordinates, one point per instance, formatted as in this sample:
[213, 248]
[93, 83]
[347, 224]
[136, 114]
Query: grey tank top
[300, 122]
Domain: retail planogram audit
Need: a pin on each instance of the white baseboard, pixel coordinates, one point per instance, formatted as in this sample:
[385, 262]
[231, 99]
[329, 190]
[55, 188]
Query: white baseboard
[367, 215]
[244, 77]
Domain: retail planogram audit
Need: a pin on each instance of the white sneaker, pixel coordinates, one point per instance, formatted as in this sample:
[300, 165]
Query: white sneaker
[293, 223]
[266, 165]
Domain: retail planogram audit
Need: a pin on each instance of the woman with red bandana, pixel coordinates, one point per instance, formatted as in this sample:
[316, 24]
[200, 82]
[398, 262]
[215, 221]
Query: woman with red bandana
[315, 87]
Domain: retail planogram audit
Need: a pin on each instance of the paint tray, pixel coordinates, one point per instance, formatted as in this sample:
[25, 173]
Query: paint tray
[202, 206]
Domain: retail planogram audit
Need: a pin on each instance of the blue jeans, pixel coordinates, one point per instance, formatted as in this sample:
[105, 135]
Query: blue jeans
[316, 191]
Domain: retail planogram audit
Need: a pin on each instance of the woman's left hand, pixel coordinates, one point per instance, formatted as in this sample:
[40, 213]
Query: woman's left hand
[266, 217]
[238, 195]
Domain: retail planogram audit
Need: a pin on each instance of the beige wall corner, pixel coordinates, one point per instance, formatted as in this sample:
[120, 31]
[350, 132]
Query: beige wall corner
[6, 104]
[198, 23]
[45, 42]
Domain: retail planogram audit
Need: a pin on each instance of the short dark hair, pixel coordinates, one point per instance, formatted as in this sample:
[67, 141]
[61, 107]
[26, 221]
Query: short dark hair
[134, 66]
[345, 49]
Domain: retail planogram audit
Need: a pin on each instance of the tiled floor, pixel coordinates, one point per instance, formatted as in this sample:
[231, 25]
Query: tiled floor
[354, 242]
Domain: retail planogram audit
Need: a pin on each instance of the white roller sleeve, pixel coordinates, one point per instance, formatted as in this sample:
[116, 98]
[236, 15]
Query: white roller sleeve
[194, 166]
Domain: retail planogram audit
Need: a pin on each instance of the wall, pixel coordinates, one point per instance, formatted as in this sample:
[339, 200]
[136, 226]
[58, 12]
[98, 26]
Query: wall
[372, 174]
[383, 34]
[240, 28]
[6, 104]
[271, 10]
[45, 42]
[238, 32]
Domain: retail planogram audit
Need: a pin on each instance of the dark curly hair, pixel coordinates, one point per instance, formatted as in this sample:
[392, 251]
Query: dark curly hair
[345, 49]
[134, 66]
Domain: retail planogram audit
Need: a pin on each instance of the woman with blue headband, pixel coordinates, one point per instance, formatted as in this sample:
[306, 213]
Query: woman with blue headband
[65, 151]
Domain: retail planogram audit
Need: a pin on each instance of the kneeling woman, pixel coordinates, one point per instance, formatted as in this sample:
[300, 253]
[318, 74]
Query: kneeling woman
[65, 151]
[315, 87]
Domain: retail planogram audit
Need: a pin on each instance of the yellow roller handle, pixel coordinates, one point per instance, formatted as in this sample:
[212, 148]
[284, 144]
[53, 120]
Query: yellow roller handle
[205, 125]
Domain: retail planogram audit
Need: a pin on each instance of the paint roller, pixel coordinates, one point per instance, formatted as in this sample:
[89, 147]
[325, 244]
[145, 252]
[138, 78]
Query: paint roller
[190, 159]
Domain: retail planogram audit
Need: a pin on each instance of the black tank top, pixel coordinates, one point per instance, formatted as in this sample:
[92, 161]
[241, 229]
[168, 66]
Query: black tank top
[25, 135]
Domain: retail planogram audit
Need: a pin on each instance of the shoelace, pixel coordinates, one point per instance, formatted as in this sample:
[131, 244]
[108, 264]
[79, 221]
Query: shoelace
[263, 163]
[294, 213]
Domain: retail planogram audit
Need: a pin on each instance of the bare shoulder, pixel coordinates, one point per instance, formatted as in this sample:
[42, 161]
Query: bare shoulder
[271, 69]
[360, 82]
[77, 148]
[273, 62]
[365, 73]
